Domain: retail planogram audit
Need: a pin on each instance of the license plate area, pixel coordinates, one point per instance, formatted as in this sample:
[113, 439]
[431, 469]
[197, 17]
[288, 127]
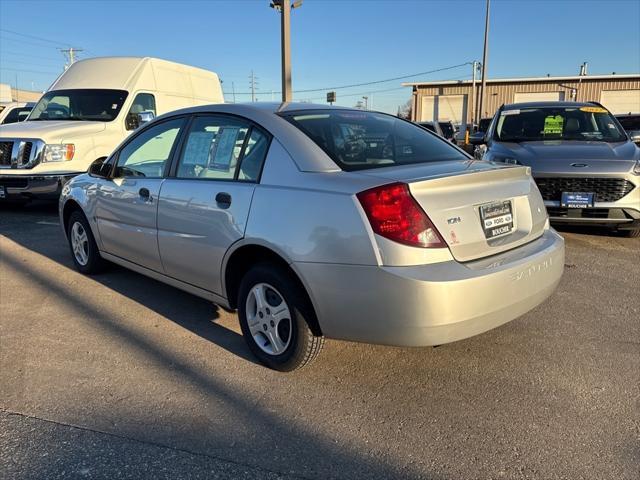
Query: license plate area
[577, 199]
[496, 218]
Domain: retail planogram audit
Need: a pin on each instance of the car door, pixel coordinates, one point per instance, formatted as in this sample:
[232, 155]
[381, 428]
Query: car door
[127, 204]
[205, 202]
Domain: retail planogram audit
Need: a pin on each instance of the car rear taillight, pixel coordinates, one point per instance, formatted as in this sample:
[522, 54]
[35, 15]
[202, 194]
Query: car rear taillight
[394, 214]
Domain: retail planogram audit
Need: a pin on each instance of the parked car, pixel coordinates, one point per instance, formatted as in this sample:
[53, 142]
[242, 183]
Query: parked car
[283, 213]
[87, 112]
[585, 165]
[448, 130]
[444, 129]
[432, 127]
[15, 112]
[631, 124]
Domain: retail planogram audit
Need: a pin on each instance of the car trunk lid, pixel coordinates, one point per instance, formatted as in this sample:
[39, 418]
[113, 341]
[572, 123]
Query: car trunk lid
[480, 209]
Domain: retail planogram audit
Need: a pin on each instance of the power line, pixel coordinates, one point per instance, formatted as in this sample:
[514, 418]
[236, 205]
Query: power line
[34, 37]
[28, 71]
[8, 52]
[38, 64]
[386, 80]
[375, 82]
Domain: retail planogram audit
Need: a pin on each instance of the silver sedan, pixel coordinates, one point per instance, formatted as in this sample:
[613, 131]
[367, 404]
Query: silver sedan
[318, 222]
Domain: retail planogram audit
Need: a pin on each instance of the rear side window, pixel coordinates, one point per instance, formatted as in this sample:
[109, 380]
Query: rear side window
[357, 140]
[223, 148]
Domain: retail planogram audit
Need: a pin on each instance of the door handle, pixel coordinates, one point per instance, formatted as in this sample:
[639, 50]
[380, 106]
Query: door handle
[144, 193]
[223, 199]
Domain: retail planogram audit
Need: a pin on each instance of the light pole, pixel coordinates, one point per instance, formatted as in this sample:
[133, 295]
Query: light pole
[285, 7]
[484, 63]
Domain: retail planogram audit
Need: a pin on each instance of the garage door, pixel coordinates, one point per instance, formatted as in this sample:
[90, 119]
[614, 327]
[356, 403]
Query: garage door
[537, 97]
[451, 107]
[427, 109]
[621, 101]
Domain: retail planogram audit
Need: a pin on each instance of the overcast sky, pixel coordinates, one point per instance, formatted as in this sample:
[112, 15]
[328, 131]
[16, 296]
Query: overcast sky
[334, 42]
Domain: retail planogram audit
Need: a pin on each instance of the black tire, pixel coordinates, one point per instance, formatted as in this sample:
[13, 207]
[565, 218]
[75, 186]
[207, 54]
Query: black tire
[303, 345]
[94, 263]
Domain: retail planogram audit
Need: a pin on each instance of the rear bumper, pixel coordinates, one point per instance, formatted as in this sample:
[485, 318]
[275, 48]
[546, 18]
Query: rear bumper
[27, 187]
[433, 304]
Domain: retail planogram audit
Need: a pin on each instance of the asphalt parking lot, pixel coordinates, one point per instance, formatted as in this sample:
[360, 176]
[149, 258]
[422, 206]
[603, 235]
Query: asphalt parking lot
[119, 376]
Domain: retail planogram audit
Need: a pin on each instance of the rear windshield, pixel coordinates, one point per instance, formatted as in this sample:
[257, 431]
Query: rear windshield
[587, 123]
[358, 140]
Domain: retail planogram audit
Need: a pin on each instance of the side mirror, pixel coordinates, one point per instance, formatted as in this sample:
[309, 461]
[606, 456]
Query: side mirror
[477, 138]
[134, 120]
[635, 137]
[99, 168]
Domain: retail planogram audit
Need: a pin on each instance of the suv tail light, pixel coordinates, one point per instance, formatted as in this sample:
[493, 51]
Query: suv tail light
[394, 214]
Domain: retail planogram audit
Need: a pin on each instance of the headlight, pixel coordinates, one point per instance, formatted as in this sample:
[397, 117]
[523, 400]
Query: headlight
[636, 168]
[58, 153]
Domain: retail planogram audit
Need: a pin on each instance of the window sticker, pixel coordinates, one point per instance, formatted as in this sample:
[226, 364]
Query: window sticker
[593, 109]
[197, 150]
[224, 146]
[510, 112]
[553, 125]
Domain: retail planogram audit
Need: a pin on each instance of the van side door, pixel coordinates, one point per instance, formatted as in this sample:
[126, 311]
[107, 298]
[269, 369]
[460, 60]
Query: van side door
[127, 203]
[205, 202]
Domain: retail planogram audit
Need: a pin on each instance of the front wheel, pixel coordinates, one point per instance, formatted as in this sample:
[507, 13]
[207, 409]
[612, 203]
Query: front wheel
[274, 317]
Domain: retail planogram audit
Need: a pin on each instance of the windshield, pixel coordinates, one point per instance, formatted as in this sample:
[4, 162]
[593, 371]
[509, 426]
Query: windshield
[358, 140]
[587, 123]
[86, 104]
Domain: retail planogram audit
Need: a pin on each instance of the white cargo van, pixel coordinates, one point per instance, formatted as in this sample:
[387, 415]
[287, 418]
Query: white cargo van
[87, 112]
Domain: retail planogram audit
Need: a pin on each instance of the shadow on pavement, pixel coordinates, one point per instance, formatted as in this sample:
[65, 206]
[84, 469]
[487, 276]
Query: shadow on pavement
[262, 438]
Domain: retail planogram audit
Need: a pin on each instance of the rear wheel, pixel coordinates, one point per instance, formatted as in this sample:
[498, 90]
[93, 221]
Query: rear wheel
[274, 317]
[84, 250]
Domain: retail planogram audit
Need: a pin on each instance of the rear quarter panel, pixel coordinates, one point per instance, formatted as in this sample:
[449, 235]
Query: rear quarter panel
[309, 217]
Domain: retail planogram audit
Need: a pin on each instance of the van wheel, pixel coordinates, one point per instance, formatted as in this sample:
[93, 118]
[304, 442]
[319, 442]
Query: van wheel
[274, 317]
[84, 250]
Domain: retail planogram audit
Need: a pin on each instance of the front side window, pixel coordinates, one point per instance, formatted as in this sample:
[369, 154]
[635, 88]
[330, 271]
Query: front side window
[144, 102]
[148, 153]
[357, 140]
[586, 123]
[83, 104]
[213, 148]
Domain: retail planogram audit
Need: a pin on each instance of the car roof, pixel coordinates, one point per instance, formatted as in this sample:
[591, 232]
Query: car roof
[512, 106]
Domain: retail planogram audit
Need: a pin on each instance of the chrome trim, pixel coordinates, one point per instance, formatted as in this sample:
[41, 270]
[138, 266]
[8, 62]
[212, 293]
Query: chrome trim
[17, 153]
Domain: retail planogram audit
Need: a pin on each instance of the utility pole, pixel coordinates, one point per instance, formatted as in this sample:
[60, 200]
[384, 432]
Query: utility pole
[253, 82]
[583, 72]
[70, 53]
[473, 93]
[233, 92]
[285, 7]
[484, 62]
